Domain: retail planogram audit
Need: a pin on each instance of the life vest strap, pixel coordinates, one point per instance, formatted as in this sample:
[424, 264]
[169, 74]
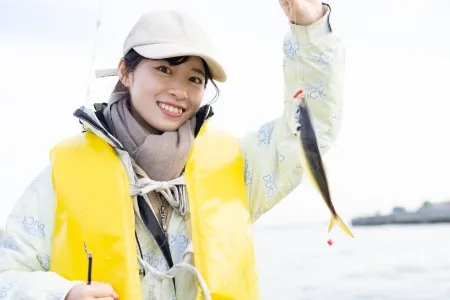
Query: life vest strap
[152, 224]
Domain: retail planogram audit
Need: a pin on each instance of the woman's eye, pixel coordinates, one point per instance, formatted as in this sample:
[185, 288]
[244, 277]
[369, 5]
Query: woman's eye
[196, 80]
[164, 69]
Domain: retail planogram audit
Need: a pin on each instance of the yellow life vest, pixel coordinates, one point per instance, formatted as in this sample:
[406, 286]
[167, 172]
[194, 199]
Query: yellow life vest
[93, 205]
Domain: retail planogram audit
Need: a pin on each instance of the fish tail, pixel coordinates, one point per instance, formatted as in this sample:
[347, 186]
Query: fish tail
[338, 221]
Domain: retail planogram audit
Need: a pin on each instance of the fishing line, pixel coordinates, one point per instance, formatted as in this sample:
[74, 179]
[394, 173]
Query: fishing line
[296, 49]
[301, 92]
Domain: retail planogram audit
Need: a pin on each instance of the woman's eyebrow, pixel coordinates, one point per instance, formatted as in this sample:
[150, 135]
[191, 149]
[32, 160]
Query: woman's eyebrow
[199, 71]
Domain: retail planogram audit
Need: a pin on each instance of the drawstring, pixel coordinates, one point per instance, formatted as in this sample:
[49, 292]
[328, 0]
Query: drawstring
[174, 191]
[172, 272]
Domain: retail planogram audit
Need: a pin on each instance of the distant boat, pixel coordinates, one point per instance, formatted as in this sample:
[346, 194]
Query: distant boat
[428, 213]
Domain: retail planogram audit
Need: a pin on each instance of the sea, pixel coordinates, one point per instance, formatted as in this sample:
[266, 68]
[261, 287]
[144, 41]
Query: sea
[398, 262]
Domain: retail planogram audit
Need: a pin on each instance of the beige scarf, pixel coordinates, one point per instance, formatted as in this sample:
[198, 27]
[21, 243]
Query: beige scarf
[161, 156]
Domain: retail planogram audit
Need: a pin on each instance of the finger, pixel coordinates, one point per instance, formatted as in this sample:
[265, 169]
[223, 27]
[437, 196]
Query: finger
[106, 298]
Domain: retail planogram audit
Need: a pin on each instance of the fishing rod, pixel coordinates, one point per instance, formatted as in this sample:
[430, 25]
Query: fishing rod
[88, 253]
[94, 52]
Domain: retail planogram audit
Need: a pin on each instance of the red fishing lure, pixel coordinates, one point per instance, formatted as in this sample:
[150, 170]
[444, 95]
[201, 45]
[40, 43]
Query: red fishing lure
[298, 93]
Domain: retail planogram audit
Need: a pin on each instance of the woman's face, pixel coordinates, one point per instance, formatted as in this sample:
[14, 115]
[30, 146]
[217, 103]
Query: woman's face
[165, 96]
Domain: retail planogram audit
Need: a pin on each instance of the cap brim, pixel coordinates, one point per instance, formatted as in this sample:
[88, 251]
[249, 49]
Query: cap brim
[106, 73]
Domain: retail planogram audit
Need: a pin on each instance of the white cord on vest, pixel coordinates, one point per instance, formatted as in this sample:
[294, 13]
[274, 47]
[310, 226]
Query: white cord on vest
[174, 191]
[172, 272]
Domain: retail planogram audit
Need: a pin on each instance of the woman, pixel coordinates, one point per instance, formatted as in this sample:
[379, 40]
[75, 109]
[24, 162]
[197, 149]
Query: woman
[151, 143]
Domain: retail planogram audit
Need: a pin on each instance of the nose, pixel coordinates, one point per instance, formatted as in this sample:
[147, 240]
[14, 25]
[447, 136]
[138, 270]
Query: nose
[179, 92]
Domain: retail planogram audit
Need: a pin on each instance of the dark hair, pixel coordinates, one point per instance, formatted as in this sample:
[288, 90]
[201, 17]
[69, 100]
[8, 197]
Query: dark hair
[132, 59]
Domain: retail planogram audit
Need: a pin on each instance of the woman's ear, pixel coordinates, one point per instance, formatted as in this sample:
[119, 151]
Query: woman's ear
[124, 77]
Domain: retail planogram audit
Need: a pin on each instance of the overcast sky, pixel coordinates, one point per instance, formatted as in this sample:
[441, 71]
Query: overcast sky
[394, 144]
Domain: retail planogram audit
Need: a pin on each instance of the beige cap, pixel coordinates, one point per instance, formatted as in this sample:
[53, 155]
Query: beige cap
[165, 34]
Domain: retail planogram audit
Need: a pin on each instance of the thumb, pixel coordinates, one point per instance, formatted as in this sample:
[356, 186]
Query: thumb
[100, 289]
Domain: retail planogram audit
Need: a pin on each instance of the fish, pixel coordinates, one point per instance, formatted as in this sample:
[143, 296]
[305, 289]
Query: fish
[312, 160]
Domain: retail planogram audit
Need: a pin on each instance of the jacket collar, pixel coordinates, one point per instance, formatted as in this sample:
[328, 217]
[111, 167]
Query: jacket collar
[92, 121]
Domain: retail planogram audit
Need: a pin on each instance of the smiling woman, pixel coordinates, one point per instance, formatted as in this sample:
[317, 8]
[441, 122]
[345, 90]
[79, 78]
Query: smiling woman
[166, 92]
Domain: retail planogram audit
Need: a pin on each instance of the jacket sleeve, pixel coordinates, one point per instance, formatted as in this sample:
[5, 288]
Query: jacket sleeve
[25, 250]
[314, 62]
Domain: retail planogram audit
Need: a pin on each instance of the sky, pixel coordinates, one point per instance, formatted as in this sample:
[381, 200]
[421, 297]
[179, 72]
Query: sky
[394, 143]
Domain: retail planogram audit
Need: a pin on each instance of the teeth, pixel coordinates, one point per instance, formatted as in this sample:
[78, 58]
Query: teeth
[171, 108]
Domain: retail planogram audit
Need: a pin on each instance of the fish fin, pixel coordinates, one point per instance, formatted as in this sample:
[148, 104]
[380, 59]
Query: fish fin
[338, 221]
[331, 224]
